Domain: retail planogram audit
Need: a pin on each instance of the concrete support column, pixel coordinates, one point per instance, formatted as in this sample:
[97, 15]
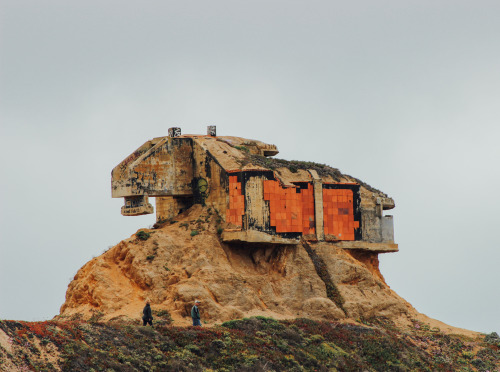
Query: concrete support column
[318, 205]
[166, 207]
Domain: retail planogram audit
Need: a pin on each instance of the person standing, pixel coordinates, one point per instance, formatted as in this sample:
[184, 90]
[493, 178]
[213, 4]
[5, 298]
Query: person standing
[195, 314]
[147, 316]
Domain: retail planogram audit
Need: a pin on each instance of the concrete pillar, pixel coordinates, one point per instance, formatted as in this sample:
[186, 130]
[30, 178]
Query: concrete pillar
[166, 208]
[211, 130]
[318, 205]
[174, 132]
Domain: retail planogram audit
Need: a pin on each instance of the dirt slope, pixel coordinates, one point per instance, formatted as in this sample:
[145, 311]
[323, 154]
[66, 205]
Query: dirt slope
[184, 260]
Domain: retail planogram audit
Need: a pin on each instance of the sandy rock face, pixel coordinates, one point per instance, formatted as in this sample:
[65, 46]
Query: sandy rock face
[185, 260]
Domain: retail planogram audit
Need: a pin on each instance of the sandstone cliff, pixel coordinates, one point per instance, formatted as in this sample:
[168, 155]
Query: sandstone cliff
[184, 259]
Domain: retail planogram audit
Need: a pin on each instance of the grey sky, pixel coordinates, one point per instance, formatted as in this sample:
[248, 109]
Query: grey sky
[402, 94]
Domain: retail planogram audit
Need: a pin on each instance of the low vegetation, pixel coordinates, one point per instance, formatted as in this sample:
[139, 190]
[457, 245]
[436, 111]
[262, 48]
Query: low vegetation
[143, 235]
[323, 170]
[253, 344]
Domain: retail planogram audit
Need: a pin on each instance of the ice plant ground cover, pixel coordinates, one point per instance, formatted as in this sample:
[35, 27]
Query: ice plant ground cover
[251, 344]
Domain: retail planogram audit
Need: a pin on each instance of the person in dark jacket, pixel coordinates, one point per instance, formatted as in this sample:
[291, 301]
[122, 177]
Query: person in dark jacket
[195, 314]
[147, 317]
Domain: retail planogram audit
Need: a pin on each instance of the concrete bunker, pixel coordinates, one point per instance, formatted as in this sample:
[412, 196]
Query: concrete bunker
[258, 203]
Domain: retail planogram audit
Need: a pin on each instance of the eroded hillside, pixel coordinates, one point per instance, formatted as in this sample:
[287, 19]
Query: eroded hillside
[184, 259]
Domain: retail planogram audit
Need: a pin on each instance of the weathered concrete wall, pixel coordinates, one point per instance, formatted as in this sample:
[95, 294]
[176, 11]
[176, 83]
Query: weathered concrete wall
[208, 171]
[247, 208]
[257, 211]
[121, 185]
[319, 212]
[218, 196]
[387, 229]
[371, 229]
[168, 207]
[158, 168]
[377, 228]
[295, 211]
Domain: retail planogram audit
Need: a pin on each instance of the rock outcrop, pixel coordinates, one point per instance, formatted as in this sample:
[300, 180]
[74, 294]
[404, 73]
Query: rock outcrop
[184, 260]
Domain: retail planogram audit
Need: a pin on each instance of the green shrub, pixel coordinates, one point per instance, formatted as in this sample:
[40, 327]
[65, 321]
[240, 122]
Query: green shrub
[194, 349]
[232, 324]
[217, 344]
[283, 346]
[291, 334]
[166, 346]
[317, 338]
[479, 364]
[242, 148]
[250, 360]
[194, 232]
[96, 316]
[492, 338]
[329, 350]
[143, 235]
[163, 317]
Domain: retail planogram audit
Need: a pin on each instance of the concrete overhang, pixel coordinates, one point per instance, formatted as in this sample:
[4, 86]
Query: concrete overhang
[253, 236]
[386, 203]
[366, 246]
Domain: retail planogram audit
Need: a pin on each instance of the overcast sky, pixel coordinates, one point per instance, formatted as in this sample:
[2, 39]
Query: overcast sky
[401, 94]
